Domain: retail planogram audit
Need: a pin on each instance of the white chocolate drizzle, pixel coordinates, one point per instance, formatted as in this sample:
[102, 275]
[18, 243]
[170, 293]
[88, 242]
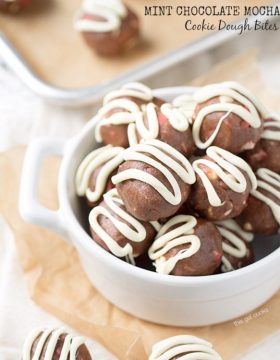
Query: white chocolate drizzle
[186, 104]
[134, 89]
[227, 167]
[127, 112]
[231, 231]
[272, 134]
[162, 157]
[109, 158]
[167, 239]
[250, 109]
[269, 181]
[124, 110]
[70, 346]
[174, 115]
[112, 13]
[185, 347]
[150, 131]
[136, 232]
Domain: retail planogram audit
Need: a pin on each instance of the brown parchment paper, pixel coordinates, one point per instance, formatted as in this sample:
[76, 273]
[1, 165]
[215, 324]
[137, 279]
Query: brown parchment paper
[57, 283]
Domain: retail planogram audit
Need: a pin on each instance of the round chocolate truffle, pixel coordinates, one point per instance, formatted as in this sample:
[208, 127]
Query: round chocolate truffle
[227, 115]
[120, 108]
[113, 228]
[93, 177]
[165, 122]
[154, 181]
[237, 249]
[109, 27]
[186, 246]
[262, 215]
[266, 154]
[177, 347]
[52, 344]
[13, 6]
[223, 184]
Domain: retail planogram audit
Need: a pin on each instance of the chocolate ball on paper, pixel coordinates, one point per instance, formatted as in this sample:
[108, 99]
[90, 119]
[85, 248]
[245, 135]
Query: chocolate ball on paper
[110, 28]
[183, 347]
[52, 344]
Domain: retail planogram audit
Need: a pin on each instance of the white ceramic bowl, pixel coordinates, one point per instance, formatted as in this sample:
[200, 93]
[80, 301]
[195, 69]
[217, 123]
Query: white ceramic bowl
[169, 300]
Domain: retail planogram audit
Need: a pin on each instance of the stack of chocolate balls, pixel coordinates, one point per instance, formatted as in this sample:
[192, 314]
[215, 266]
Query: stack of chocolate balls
[181, 188]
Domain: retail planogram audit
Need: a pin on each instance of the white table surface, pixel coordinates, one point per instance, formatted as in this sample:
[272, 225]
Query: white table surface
[23, 117]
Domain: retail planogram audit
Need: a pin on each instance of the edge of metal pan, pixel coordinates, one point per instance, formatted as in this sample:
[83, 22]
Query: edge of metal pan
[91, 95]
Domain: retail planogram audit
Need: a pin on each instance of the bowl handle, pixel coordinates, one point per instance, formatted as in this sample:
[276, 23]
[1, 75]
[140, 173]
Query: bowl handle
[30, 208]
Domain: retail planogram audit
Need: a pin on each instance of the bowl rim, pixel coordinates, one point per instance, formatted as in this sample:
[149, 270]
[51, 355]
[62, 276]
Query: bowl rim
[86, 241]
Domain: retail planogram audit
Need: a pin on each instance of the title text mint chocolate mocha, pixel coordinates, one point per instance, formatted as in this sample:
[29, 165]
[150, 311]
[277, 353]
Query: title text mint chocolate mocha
[212, 10]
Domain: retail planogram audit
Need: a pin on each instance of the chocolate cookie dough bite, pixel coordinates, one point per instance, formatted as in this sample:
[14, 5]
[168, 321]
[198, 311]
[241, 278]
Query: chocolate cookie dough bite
[183, 347]
[262, 215]
[165, 122]
[118, 232]
[223, 184]
[237, 248]
[54, 344]
[132, 113]
[109, 27]
[93, 177]
[229, 116]
[186, 246]
[13, 6]
[120, 108]
[154, 180]
[266, 153]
